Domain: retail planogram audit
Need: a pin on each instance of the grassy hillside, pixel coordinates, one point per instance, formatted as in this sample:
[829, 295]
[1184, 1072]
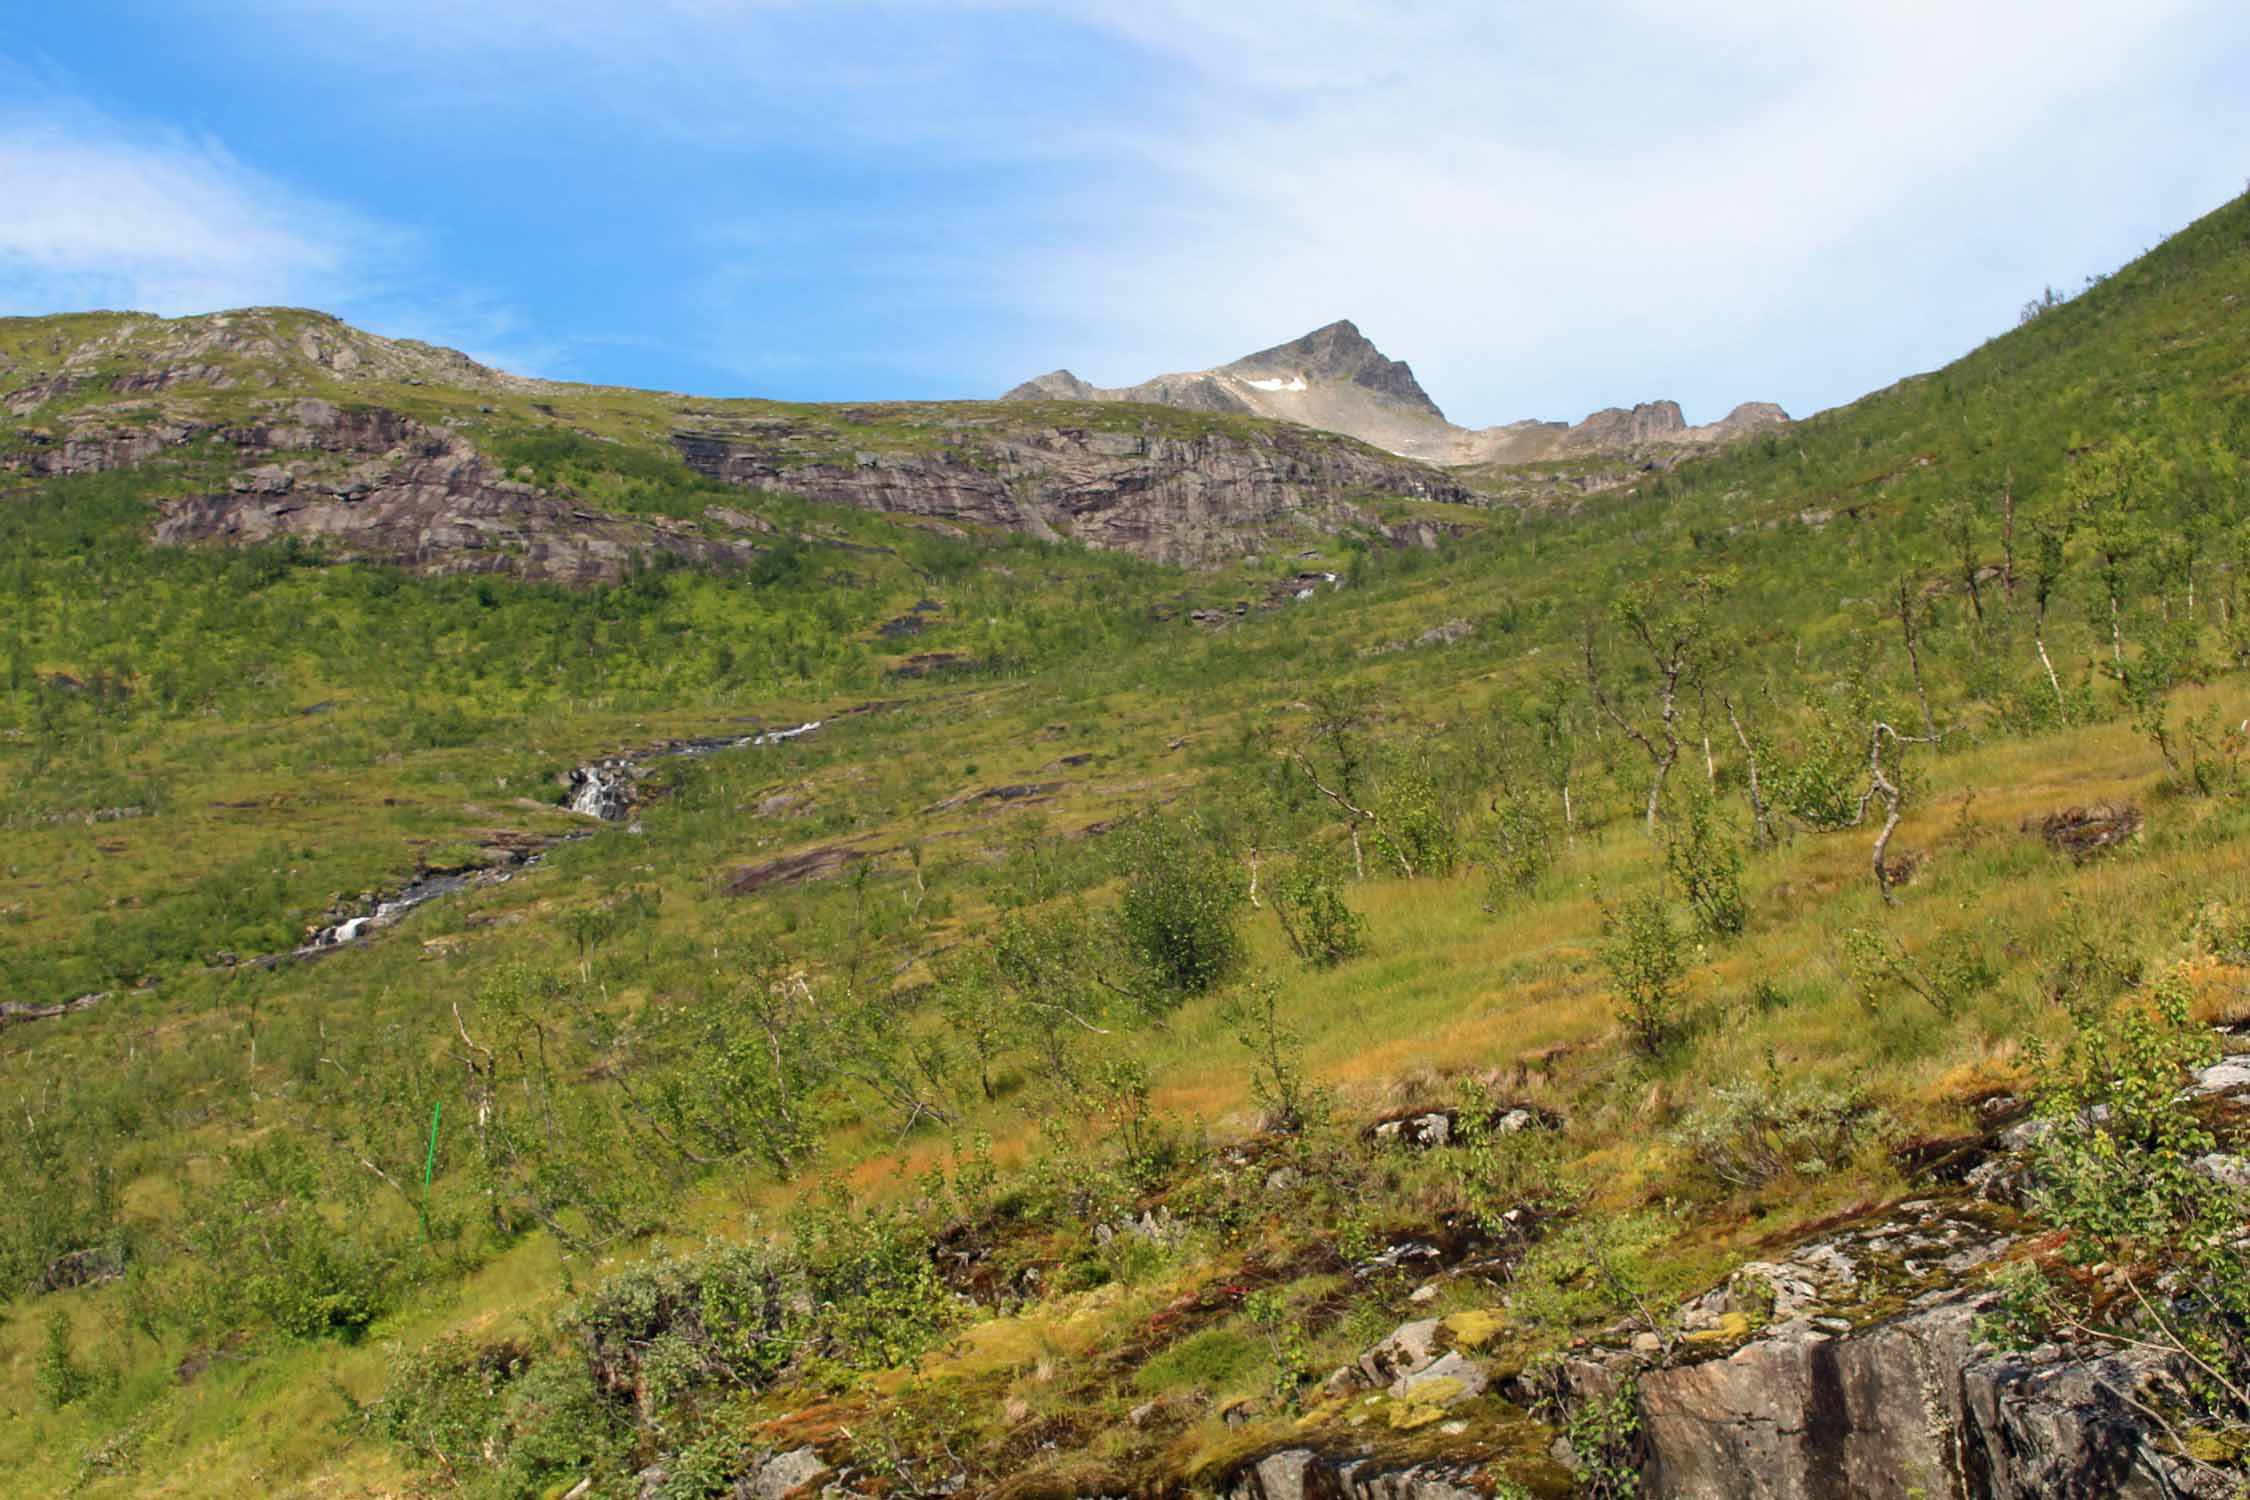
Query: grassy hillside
[1046, 1098]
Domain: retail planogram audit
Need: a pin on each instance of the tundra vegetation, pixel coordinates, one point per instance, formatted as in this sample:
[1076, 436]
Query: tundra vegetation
[1779, 813]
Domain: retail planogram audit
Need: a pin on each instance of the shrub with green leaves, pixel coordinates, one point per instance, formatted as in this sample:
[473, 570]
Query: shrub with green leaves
[1947, 973]
[1754, 1130]
[2116, 1163]
[1179, 907]
[58, 1376]
[1287, 1098]
[1647, 958]
[1703, 857]
[1320, 928]
[497, 1422]
[1419, 822]
[1523, 846]
[730, 1317]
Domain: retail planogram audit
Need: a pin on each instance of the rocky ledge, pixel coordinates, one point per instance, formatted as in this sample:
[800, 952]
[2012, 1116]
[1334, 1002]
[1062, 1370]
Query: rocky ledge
[1173, 499]
[370, 485]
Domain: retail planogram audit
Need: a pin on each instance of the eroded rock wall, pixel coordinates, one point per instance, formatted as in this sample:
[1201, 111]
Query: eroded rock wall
[1181, 500]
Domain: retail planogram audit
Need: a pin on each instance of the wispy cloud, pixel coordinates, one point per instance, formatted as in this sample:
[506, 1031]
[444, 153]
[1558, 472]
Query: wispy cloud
[1545, 208]
[165, 222]
[1625, 198]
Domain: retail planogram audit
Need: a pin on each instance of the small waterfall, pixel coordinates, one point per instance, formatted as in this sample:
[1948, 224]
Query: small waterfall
[603, 790]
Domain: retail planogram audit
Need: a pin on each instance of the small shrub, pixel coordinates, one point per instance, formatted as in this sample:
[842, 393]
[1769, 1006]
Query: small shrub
[2117, 1158]
[443, 1402]
[1646, 956]
[1308, 902]
[1603, 1434]
[1177, 913]
[1495, 1172]
[1704, 861]
[1420, 823]
[1289, 1101]
[1754, 1130]
[1268, 1311]
[1523, 837]
[1148, 1148]
[1947, 974]
[1766, 997]
[1595, 1270]
[1820, 789]
[58, 1376]
[2116, 1167]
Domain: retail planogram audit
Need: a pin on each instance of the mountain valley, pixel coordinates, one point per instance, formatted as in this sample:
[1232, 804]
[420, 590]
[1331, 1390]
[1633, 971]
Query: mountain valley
[1225, 937]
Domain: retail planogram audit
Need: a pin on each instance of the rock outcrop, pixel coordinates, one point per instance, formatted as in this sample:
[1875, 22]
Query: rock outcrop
[371, 485]
[1183, 499]
[1333, 378]
[1851, 1370]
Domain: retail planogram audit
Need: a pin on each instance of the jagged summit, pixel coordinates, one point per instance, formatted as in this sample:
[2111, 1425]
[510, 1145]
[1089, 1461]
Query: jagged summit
[1335, 377]
[1338, 352]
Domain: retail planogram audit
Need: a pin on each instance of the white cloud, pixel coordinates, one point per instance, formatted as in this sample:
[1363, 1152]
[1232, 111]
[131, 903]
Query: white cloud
[1545, 208]
[168, 223]
[1606, 206]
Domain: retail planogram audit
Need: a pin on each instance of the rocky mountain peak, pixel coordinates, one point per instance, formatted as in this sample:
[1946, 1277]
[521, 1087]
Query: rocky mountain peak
[1335, 378]
[1055, 385]
[1339, 353]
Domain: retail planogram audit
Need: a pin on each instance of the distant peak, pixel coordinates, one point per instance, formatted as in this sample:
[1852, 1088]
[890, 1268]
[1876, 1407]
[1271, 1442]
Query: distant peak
[1338, 351]
[1055, 385]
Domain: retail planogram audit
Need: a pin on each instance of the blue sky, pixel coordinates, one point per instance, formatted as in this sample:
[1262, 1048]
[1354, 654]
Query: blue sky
[1544, 208]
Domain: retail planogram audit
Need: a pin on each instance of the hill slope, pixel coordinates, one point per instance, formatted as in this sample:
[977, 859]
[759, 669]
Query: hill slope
[1110, 1055]
[405, 454]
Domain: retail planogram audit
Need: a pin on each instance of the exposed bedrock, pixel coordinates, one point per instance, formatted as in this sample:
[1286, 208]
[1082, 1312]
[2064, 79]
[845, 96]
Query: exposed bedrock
[1183, 500]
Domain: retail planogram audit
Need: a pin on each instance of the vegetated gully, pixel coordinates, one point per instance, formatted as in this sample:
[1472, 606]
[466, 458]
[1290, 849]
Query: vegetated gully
[602, 789]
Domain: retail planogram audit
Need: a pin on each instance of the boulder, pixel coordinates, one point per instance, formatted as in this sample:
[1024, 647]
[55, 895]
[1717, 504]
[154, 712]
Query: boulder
[784, 1475]
[1410, 1347]
[1446, 1381]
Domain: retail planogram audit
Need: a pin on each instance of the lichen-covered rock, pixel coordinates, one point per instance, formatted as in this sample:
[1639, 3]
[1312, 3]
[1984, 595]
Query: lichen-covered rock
[785, 1475]
[1303, 1474]
[1445, 1381]
[1410, 1347]
[1851, 1370]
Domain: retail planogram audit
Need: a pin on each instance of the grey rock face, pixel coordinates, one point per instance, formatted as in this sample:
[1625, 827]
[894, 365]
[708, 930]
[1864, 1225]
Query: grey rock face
[1411, 1347]
[1335, 378]
[1447, 1381]
[1816, 1406]
[1302, 1474]
[1182, 500]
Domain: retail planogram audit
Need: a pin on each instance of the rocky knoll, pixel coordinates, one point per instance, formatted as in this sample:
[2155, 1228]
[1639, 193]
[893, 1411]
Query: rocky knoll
[1182, 498]
[371, 485]
[1858, 1363]
[1333, 378]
